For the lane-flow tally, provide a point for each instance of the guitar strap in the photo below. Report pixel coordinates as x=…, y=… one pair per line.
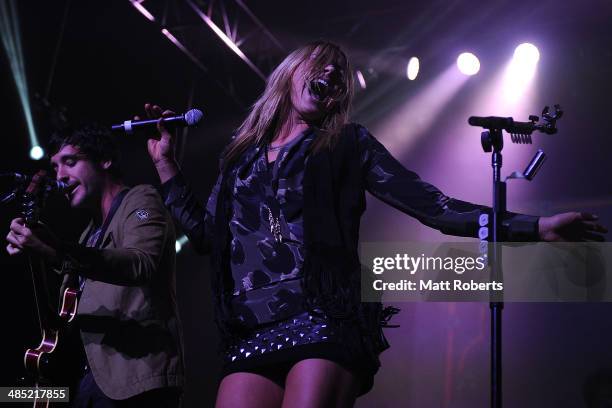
x=111, y=213
x=101, y=231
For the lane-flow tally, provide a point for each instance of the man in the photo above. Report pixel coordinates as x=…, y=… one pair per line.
x=125, y=268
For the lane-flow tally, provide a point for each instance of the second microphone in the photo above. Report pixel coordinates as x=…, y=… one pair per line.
x=190, y=118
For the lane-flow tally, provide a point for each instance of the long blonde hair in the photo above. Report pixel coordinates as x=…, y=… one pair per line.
x=273, y=107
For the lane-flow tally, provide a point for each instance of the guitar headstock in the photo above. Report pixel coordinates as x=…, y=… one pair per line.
x=32, y=197
x=37, y=184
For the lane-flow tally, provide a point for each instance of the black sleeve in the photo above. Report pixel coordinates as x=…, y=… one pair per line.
x=196, y=220
x=389, y=181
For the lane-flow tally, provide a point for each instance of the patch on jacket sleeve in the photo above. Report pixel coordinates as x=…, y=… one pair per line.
x=142, y=214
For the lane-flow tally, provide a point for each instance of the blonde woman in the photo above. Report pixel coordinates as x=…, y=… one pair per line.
x=282, y=225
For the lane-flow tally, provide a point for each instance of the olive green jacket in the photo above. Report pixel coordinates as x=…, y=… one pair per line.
x=127, y=312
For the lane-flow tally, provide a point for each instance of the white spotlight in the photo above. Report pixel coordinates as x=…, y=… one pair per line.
x=527, y=53
x=178, y=245
x=37, y=152
x=412, y=70
x=468, y=63
x=520, y=72
x=11, y=40
x=361, y=79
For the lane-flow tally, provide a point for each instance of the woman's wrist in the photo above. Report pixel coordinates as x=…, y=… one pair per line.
x=166, y=169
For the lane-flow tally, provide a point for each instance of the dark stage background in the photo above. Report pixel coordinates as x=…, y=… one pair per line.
x=103, y=60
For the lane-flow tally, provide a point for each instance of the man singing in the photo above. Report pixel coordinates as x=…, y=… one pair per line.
x=124, y=266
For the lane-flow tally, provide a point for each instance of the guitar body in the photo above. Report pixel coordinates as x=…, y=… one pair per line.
x=53, y=359
x=58, y=360
x=36, y=360
x=70, y=302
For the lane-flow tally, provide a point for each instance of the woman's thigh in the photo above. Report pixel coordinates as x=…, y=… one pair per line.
x=248, y=390
x=318, y=382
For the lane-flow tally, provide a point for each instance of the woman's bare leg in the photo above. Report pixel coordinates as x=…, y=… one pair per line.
x=248, y=390
x=320, y=383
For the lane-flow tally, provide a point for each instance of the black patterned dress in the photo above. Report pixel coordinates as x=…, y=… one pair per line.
x=266, y=263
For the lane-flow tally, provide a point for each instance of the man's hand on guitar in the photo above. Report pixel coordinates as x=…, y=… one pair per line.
x=40, y=242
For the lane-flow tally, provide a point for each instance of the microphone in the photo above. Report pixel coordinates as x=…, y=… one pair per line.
x=50, y=185
x=190, y=118
x=508, y=124
x=491, y=122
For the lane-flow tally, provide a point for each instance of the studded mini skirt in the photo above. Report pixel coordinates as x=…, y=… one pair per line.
x=276, y=347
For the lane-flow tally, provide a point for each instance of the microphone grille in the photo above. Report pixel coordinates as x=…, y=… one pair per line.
x=56, y=186
x=193, y=117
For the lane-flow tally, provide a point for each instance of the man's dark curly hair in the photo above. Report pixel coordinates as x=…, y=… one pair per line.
x=93, y=140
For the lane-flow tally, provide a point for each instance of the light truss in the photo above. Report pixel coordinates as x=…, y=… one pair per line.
x=183, y=23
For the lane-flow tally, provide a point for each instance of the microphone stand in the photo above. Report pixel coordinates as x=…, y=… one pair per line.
x=492, y=141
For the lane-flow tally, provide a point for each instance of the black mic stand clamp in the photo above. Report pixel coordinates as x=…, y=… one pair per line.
x=550, y=126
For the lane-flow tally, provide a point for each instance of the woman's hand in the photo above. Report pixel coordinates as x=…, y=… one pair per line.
x=571, y=227
x=163, y=145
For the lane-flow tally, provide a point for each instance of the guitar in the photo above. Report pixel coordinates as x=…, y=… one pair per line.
x=46, y=364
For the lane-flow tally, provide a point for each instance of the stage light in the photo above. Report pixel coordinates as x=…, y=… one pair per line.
x=468, y=63
x=11, y=40
x=178, y=245
x=412, y=70
x=520, y=72
x=37, y=153
x=527, y=54
x=361, y=79
x=402, y=126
